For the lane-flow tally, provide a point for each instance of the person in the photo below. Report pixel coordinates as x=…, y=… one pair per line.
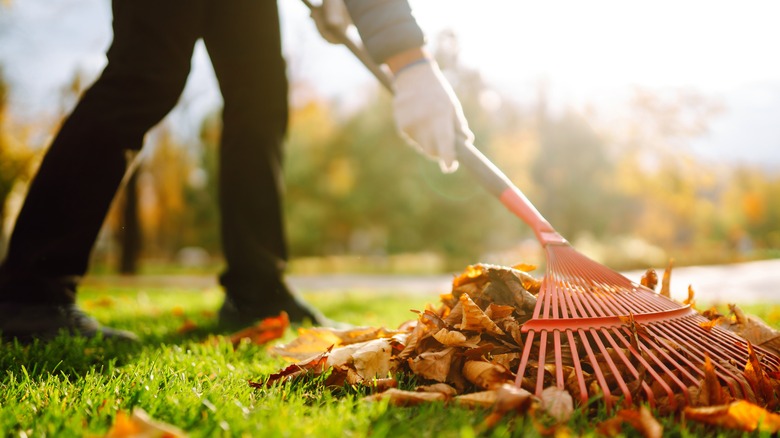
x=148, y=65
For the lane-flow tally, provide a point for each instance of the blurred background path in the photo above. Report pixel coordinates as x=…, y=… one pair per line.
x=742, y=283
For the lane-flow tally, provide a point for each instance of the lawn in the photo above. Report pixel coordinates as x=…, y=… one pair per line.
x=74, y=387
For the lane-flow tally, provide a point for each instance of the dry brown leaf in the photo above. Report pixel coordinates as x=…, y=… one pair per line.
x=486, y=375
x=755, y=330
x=739, y=415
x=474, y=319
x=140, y=425
x=665, y=291
x=454, y=338
x=482, y=399
x=709, y=324
x=690, y=301
x=398, y=397
x=374, y=359
x=710, y=390
x=310, y=341
x=497, y=311
x=443, y=388
x=754, y=373
x=557, y=403
x=510, y=398
x=643, y=421
x=434, y=365
x=315, y=366
x=264, y=331
x=649, y=279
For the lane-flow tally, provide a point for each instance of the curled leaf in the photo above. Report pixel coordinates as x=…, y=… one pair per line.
x=739, y=415
x=474, y=319
x=649, y=279
x=486, y=375
x=665, y=291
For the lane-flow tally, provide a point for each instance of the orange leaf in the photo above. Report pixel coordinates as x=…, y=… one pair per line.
x=187, y=326
x=665, y=291
x=740, y=415
x=708, y=325
x=649, y=279
x=140, y=425
x=264, y=331
x=690, y=300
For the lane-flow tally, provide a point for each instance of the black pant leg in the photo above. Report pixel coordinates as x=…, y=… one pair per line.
x=148, y=64
x=243, y=41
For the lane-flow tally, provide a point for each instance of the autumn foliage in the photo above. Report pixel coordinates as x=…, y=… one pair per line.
x=467, y=351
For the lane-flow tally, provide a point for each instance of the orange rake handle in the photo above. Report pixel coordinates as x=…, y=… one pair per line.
x=498, y=184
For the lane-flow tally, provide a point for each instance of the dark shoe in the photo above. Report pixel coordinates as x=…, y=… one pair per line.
x=238, y=312
x=26, y=322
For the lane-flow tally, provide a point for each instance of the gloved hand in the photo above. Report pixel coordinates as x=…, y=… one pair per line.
x=332, y=19
x=428, y=114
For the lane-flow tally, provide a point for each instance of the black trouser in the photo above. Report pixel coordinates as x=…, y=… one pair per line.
x=148, y=64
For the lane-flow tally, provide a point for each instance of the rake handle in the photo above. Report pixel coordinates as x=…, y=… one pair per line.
x=483, y=170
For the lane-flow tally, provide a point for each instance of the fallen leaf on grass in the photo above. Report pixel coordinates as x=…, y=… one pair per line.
x=187, y=326
x=264, y=331
x=739, y=415
x=642, y=420
x=510, y=399
x=140, y=425
x=398, y=397
x=486, y=375
x=373, y=360
x=557, y=403
x=315, y=366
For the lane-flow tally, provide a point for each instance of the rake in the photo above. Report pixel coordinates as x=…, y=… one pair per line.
x=593, y=330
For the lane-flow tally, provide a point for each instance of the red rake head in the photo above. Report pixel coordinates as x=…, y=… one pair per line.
x=595, y=333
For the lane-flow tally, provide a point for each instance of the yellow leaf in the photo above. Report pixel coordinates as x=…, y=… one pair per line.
x=739, y=415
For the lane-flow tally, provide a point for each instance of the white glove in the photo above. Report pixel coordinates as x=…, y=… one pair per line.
x=428, y=114
x=332, y=19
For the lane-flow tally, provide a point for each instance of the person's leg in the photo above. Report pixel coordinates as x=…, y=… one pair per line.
x=148, y=64
x=244, y=44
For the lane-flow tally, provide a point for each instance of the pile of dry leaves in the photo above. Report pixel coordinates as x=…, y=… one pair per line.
x=465, y=351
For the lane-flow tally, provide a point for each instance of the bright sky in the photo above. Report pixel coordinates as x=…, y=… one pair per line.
x=591, y=51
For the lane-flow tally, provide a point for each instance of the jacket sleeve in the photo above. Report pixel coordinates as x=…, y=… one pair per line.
x=386, y=27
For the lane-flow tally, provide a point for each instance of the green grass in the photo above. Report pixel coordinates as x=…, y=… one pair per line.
x=75, y=387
